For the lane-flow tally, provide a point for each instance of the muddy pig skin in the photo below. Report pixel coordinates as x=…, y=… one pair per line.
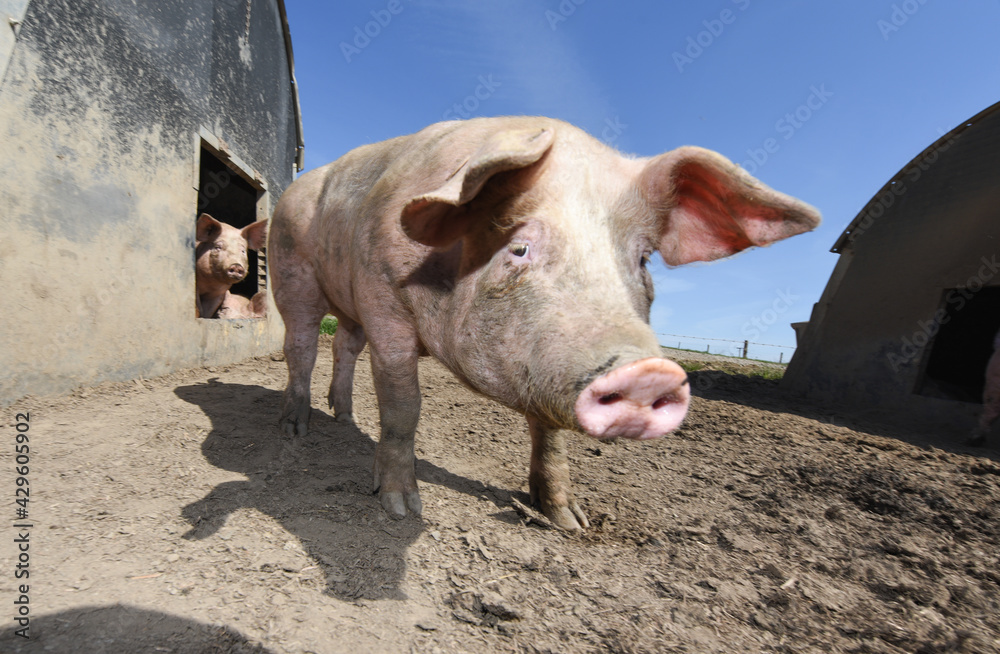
x=220, y=262
x=514, y=250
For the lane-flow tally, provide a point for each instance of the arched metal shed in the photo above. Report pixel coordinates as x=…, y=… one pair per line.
x=905, y=325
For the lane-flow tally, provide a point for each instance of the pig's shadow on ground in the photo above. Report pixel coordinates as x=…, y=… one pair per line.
x=119, y=629
x=769, y=395
x=318, y=487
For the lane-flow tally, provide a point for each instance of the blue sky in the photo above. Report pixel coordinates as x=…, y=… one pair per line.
x=848, y=93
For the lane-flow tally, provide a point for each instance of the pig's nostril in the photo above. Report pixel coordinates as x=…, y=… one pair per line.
x=610, y=398
x=663, y=401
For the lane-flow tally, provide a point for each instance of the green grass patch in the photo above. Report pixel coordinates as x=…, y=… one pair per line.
x=748, y=369
x=328, y=326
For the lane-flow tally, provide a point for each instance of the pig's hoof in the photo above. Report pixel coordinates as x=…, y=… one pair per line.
x=566, y=515
x=293, y=428
x=559, y=506
x=395, y=505
x=570, y=518
x=345, y=418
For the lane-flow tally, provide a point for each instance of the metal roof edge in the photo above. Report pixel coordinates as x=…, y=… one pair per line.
x=300, y=144
x=933, y=147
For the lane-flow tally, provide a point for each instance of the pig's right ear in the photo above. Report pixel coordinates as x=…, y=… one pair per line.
x=208, y=228
x=437, y=218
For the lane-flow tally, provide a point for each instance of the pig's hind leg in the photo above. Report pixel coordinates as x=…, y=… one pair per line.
x=347, y=345
x=302, y=305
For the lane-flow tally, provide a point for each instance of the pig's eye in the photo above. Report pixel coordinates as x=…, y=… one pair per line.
x=518, y=249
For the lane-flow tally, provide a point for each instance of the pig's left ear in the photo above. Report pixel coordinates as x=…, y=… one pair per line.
x=437, y=219
x=709, y=208
x=256, y=234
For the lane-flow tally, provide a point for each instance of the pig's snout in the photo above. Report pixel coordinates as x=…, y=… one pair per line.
x=236, y=271
x=641, y=400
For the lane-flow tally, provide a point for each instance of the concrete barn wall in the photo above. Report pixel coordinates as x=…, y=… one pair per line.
x=862, y=349
x=100, y=114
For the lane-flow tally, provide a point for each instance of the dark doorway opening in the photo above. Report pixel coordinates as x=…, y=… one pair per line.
x=225, y=195
x=956, y=359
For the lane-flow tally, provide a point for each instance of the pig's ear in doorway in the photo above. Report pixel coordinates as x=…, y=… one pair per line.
x=208, y=228
x=437, y=218
x=709, y=208
x=256, y=234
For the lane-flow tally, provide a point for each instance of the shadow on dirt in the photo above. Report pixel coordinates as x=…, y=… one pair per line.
x=120, y=629
x=768, y=395
x=318, y=487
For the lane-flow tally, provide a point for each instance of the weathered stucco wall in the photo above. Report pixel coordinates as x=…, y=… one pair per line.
x=936, y=228
x=100, y=112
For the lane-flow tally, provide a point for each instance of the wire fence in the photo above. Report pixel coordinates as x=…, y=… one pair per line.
x=729, y=347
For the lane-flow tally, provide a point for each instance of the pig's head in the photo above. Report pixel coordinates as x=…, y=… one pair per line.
x=221, y=251
x=548, y=233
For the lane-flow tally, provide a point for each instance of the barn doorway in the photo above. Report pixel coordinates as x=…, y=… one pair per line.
x=955, y=361
x=226, y=194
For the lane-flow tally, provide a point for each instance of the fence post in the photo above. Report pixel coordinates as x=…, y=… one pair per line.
x=745, y=345
x=781, y=355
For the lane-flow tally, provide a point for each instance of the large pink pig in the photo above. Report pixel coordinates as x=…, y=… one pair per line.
x=991, y=396
x=514, y=250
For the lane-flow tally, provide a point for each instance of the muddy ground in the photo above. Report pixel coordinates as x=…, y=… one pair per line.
x=169, y=517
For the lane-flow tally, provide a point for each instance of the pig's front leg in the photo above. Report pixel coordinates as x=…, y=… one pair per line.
x=548, y=480
x=394, y=369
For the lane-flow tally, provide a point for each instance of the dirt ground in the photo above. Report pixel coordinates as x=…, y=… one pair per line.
x=168, y=516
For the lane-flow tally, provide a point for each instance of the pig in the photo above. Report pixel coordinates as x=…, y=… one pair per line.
x=220, y=262
x=991, y=396
x=515, y=251
x=236, y=306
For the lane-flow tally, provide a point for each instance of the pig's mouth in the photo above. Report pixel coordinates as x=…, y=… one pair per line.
x=641, y=400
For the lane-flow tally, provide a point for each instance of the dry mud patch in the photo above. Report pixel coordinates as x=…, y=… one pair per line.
x=170, y=517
